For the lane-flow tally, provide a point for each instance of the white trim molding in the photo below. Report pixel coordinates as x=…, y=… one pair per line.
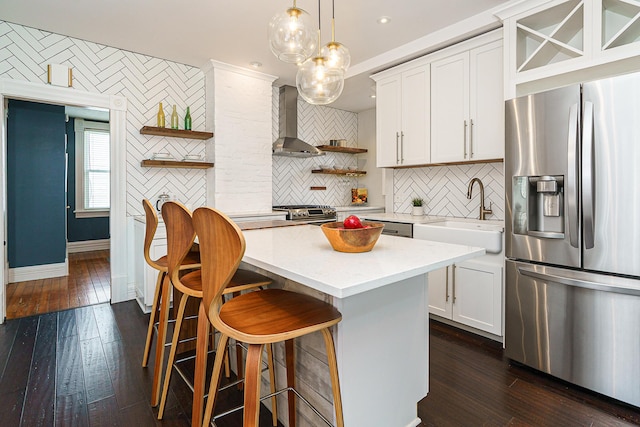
x=117, y=105
x=38, y=272
x=88, y=245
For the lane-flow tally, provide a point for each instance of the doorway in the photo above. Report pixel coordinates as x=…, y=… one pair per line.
x=117, y=106
x=58, y=207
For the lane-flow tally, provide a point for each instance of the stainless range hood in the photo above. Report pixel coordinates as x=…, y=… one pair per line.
x=288, y=144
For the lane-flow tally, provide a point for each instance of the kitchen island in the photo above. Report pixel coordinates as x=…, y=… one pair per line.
x=382, y=340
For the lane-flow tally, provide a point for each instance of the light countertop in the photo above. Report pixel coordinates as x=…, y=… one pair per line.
x=304, y=255
x=426, y=219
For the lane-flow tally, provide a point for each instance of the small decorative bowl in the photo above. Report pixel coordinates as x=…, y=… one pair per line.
x=352, y=240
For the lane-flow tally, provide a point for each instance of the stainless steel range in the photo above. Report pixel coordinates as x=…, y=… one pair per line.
x=313, y=214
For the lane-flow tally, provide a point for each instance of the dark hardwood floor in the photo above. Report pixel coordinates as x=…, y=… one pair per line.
x=88, y=282
x=81, y=367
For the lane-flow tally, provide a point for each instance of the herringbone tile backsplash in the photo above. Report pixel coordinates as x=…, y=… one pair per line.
x=143, y=80
x=444, y=189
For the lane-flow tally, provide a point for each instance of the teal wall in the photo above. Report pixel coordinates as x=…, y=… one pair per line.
x=35, y=184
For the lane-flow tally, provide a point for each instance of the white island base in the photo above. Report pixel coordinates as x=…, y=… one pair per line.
x=382, y=342
x=382, y=347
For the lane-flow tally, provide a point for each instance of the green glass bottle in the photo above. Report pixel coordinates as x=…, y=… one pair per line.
x=187, y=120
x=160, y=118
x=174, y=119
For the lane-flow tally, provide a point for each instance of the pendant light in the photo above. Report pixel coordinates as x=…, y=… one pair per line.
x=337, y=54
x=317, y=82
x=291, y=37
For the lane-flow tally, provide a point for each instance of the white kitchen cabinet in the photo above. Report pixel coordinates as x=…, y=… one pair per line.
x=469, y=293
x=467, y=105
x=402, y=116
x=555, y=43
x=145, y=276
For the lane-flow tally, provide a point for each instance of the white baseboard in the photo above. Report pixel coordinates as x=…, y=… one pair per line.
x=88, y=245
x=37, y=272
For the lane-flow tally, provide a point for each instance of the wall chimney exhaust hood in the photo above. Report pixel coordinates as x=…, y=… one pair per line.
x=288, y=144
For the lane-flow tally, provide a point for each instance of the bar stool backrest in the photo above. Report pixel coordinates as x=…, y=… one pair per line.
x=180, y=237
x=222, y=247
x=151, y=221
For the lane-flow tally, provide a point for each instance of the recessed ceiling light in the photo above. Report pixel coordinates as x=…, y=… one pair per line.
x=384, y=20
x=373, y=96
x=255, y=64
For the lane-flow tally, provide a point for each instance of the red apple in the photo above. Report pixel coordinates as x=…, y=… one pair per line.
x=352, y=222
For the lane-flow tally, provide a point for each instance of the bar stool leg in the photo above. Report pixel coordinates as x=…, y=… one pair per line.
x=202, y=345
x=272, y=386
x=162, y=336
x=215, y=379
x=291, y=380
x=152, y=318
x=252, y=386
x=335, y=381
x=172, y=353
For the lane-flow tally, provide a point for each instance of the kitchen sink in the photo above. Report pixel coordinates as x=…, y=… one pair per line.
x=485, y=234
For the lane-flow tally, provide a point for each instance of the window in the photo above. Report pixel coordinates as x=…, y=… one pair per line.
x=92, y=168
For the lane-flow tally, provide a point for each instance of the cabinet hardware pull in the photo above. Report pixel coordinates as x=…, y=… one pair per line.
x=397, y=157
x=401, y=147
x=446, y=283
x=453, y=282
x=471, y=139
x=464, y=141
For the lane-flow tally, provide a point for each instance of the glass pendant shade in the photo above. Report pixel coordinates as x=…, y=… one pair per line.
x=337, y=55
x=292, y=36
x=318, y=83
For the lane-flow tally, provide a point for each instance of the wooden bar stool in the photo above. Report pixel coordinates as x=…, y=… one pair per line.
x=256, y=318
x=190, y=261
x=180, y=237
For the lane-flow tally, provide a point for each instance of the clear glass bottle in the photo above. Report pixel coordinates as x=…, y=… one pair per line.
x=187, y=120
x=174, y=119
x=160, y=118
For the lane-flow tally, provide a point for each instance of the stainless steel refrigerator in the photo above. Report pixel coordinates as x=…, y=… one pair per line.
x=572, y=172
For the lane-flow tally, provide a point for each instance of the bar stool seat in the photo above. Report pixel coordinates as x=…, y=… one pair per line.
x=258, y=318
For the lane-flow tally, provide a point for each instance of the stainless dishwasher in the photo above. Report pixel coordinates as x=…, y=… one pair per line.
x=401, y=229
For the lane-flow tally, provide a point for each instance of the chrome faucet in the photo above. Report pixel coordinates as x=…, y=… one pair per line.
x=483, y=211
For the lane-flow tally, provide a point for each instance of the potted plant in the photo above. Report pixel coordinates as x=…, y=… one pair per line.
x=417, y=209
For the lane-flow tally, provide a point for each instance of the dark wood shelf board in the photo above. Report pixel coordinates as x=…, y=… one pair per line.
x=339, y=172
x=175, y=133
x=349, y=150
x=175, y=164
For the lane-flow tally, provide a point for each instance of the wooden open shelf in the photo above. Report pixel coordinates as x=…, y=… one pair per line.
x=349, y=150
x=175, y=133
x=175, y=164
x=339, y=172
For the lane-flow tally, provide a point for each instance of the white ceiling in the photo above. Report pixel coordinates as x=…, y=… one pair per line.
x=235, y=31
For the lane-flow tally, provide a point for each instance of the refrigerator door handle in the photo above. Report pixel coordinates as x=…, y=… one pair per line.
x=572, y=176
x=587, y=176
x=578, y=283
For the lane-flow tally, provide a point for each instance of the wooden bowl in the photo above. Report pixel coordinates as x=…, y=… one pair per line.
x=353, y=240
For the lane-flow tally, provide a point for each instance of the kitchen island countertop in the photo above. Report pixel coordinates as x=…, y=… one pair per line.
x=304, y=254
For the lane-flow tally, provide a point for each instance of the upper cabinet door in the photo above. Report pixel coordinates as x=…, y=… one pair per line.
x=402, y=118
x=450, y=108
x=415, y=135
x=486, y=103
x=388, y=121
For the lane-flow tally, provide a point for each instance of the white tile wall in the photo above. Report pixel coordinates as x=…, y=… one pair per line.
x=444, y=188
x=292, y=177
x=143, y=80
